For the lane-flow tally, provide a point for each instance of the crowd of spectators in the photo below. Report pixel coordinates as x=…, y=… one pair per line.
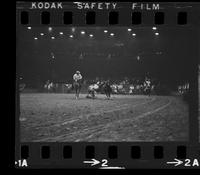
x=123, y=85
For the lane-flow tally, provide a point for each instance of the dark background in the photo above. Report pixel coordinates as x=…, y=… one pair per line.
x=167, y=57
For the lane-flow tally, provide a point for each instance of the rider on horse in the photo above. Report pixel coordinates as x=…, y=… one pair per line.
x=77, y=77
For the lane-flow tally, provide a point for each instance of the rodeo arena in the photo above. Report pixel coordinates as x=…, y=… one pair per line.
x=99, y=84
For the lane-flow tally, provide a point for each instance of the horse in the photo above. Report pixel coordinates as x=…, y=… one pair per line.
x=103, y=87
x=107, y=89
x=77, y=87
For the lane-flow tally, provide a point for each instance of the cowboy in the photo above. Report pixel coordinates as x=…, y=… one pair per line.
x=77, y=76
x=92, y=89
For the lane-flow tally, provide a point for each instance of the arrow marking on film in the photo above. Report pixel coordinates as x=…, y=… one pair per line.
x=177, y=162
x=93, y=162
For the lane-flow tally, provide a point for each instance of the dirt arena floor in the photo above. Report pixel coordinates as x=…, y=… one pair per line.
x=62, y=118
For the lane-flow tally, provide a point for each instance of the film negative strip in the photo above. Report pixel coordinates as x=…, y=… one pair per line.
x=107, y=85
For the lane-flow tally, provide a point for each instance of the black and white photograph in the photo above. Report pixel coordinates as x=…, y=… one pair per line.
x=104, y=84
x=199, y=97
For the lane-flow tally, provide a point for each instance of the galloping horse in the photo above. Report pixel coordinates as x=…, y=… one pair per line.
x=77, y=87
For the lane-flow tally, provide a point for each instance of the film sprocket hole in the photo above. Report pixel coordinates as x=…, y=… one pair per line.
x=108, y=85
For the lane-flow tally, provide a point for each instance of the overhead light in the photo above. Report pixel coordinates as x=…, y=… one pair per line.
x=50, y=29
x=29, y=28
x=71, y=36
x=91, y=35
x=82, y=32
x=52, y=37
x=154, y=28
x=129, y=29
x=73, y=29
x=134, y=34
x=156, y=33
x=105, y=31
x=61, y=33
x=41, y=34
x=112, y=34
x=35, y=38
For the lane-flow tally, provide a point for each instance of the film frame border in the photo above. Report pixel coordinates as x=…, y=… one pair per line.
x=190, y=146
